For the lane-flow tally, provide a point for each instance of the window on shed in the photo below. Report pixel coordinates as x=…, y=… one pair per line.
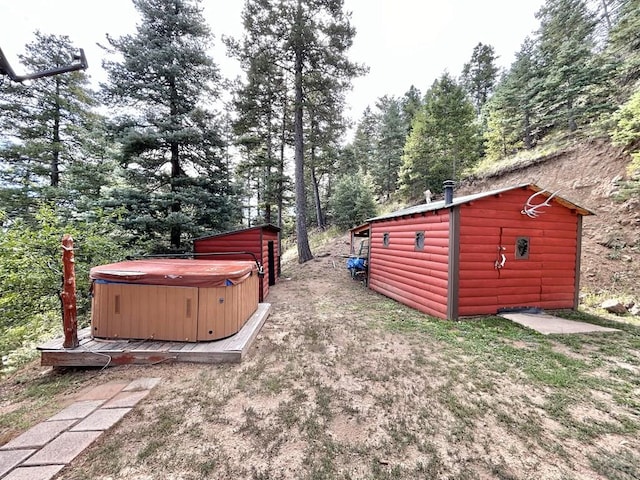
x=420, y=240
x=522, y=248
x=385, y=239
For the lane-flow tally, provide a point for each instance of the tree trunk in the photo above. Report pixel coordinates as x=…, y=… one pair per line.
x=283, y=141
x=302, y=239
x=176, y=231
x=316, y=199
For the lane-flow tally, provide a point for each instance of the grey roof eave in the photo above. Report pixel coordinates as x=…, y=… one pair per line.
x=457, y=201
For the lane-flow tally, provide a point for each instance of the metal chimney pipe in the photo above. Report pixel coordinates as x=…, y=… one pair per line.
x=448, y=191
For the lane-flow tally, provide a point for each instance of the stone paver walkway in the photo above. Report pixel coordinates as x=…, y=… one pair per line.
x=43, y=450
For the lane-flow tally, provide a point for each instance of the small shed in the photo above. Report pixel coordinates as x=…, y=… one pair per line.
x=263, y=242
x=477, y=254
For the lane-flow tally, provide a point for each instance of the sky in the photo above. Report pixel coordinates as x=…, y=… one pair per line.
x=403, y=42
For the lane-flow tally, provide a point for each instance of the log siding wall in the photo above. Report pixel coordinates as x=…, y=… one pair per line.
x=254, y=240
x=418, y=278
x=546, y=279
x=456, y=275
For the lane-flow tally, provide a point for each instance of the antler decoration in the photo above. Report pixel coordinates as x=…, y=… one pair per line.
x=531, y=210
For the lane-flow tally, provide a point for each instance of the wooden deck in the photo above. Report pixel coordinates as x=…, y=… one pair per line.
x=95, y=352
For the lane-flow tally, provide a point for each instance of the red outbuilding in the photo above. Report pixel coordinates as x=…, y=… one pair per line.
x=476, y=254
x=259, y=242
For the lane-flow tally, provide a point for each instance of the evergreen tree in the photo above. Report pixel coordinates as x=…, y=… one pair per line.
x=391, y=137
x=52, y=145
x=410, y=104
x=623, y=47
x=312, y=38
x=261, y=103
x=443, y=141
x=365, y=141
x=510, y=111
x=177, y=179
x=566, y=46
x=352, y=202
x=325, y=126
x=479, y=75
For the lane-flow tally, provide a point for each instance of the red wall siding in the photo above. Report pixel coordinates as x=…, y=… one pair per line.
x=266, y=237
x=254, y=240
x=418, y=279
x=546, y=279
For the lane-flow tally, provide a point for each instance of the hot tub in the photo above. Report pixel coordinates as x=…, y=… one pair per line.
x=172, y=299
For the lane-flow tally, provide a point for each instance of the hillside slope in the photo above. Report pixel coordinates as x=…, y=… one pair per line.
x=589, y=175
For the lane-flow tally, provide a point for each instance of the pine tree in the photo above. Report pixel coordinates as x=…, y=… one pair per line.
x=443, y=141
x=261, y=104
x=510, y=111
x=352, y=202
x=623, y=47
x=53, y=146
x=391, y=138
x=411, y=103
x=312, y=38
x=566, y=46
x=177, y=178
x=365, y=141
x=479, y=76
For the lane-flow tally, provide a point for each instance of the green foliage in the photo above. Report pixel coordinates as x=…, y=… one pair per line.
x=444, y=139
x=392, y=132
x=626, y=133
x=352, y=203
x=572, y=73
x=623, y=46
x=626, y=130
x=31, y=272
x=176, y=177
x=480, y=74
x=53, y=146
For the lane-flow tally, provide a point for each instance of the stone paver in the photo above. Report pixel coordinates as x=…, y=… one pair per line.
x=142, y=384
x=101, y=419
x=77, y=410
x=11, y=458
x=63, y=449
x=126, y=399
x=65, y=435
x=46, y=472
x=104, y=392
x=39, y=435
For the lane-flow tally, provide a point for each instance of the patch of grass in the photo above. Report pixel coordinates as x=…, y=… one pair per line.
x=251, y=424
x=621, y=464
x=555, y=369
x=105, y=459
x=150, y=449
x=288, y=414
x=275, y=383
x=208, y=461
x=557, y=405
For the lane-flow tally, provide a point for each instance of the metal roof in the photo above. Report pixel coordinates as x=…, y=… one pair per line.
x=266, y=226
x=457, y=201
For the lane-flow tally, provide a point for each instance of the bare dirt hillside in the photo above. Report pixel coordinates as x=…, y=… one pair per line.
x=590, y=176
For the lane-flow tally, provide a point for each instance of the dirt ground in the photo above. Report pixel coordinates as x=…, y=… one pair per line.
x=343, y=383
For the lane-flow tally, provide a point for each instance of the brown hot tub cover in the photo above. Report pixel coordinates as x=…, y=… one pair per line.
x=175, y=272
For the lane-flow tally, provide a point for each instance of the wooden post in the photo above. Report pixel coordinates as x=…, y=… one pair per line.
x=68, y=295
